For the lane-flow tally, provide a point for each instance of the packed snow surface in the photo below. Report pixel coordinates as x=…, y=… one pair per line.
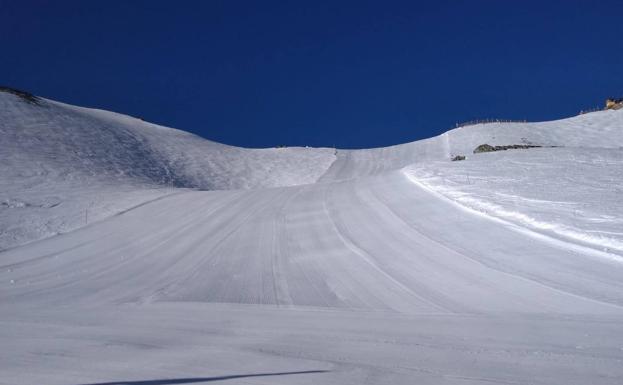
x=143, y=255
x=572, y=194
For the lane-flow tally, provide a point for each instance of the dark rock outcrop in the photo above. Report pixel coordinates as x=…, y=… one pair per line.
x=489, y=148
x=26, y=96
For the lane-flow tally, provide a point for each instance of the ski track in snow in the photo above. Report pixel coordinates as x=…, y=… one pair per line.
x=363, y=277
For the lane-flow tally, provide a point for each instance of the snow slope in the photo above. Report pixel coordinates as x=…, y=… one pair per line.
x=569, y=193
x=603, y=129
x=72, y=161
x=378, y=273
x=72, y=142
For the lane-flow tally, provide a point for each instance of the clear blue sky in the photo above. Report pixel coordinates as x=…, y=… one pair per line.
x=320, y=73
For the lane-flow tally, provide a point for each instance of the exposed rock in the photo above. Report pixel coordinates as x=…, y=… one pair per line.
x=489, y=148
x=458, y=157
x=614, y=104
x=484, y=148
x=26, y=96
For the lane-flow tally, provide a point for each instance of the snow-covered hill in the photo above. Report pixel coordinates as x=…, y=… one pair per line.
x=390, y=265
x=69, y=143
x=65, y=166
x=603, y=129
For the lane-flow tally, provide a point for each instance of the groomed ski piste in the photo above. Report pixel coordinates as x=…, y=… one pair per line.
x=138, y=254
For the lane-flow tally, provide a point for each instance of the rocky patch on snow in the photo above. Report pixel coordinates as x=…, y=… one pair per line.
x=488, y=148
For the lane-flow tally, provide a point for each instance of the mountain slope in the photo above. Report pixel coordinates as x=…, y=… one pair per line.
x=68, y=142
x=602, y=129
x=64, y=166
x=364, y=266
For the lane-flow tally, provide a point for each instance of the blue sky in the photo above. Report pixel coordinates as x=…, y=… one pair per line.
x=348, y=73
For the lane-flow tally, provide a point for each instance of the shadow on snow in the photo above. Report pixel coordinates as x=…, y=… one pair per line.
x=174, y=381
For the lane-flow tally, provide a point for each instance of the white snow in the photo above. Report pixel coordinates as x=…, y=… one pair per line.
x=570, y=193
x=207, y=263
x=60, y=161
